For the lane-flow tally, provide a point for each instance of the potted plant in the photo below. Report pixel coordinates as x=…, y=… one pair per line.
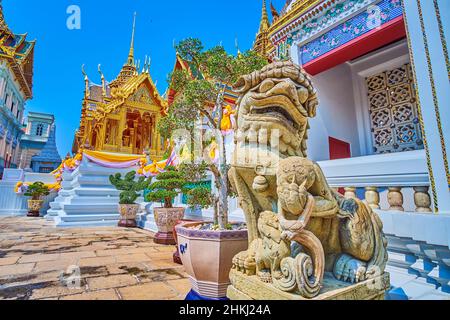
x=36, y=191
x=198, y=198
x=168, y=186
x=131, y=190
x=207, y=248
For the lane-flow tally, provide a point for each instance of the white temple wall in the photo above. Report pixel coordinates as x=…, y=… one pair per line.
x=427, y=29
x=336, y=113
x=343, y=104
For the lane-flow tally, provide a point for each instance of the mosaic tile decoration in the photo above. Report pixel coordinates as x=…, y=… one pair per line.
x=349, y=30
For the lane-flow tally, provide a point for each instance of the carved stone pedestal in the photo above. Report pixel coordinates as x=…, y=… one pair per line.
x=251, y=288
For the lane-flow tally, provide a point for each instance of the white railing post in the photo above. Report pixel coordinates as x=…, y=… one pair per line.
x=373, y=197
x=395, y=199
x=422, y=199
x=350, y=193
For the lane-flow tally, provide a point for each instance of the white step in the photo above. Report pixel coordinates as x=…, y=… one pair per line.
x=97, y=217
x=88, y=224
x=91, y=208
x=87, y=199
x=97, y=192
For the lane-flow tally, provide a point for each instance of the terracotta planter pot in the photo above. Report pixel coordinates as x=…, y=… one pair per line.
x=34, y=208
x=166, y=219
x=207, y=257
x=176, y=254
x=128, y=214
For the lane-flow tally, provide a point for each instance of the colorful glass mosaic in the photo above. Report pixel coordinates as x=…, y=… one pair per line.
x=374, y=17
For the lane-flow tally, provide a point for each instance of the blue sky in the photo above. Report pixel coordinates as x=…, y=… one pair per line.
x=104, y=38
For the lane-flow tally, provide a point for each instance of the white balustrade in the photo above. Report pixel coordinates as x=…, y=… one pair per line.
x=393, y=173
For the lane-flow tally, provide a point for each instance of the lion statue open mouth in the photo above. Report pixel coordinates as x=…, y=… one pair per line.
x=285, y=196
x=278, y=97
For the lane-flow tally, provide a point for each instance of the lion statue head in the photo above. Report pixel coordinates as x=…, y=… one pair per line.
x=279, y=98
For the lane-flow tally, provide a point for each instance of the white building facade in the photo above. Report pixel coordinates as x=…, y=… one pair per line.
x=16, y=82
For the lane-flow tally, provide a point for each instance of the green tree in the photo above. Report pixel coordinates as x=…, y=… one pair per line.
x=169, y=184
x=37, y=190
x=200, y=94
x=131, y=189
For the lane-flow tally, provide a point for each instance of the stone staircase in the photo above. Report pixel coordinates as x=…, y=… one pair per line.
x=87, y=198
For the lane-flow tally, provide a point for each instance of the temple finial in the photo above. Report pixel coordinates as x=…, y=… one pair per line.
x=131, y=54
x=145, y=65
x=275, y=14
x=86, y=82
x=103, y=80
x=265, y=24
x=149, y=64
x=84, y=72
x=99, y=68
x=236, y=43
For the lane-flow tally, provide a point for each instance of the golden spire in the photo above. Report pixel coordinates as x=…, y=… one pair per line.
x=262, y=39
x=3, y=26
x=265, y=24
x=130, y=61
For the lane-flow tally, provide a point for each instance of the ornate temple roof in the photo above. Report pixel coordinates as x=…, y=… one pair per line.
x=101, y=100
x=50, y=151
x=19, y=54
x=291, y=10
x=108, y=96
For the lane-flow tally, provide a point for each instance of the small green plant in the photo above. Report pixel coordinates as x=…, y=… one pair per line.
x=37, y=190
x=169, y=185
x=131, y=189
x=200, y=197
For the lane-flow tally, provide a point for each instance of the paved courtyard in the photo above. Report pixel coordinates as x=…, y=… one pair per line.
x=38, y=261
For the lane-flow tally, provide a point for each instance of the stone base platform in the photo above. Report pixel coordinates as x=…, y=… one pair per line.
x=251, y=288
x=165, y=238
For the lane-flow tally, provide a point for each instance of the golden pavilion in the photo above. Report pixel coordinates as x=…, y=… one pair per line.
x=121, y=116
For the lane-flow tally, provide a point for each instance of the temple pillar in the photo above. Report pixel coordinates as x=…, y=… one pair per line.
x=134, y=136
x=101, y=136
x=122, y=124
x=157, y=141
x=427, y=24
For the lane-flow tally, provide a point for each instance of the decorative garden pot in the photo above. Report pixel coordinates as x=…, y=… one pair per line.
x=128, y=214
x=166, y=219
x=207, y=257
x=34, y=208
x=176, y=254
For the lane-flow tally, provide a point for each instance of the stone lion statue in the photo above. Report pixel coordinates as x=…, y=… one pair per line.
x=271, y=174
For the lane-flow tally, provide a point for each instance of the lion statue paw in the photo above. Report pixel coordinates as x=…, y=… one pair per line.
x=349, y=269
